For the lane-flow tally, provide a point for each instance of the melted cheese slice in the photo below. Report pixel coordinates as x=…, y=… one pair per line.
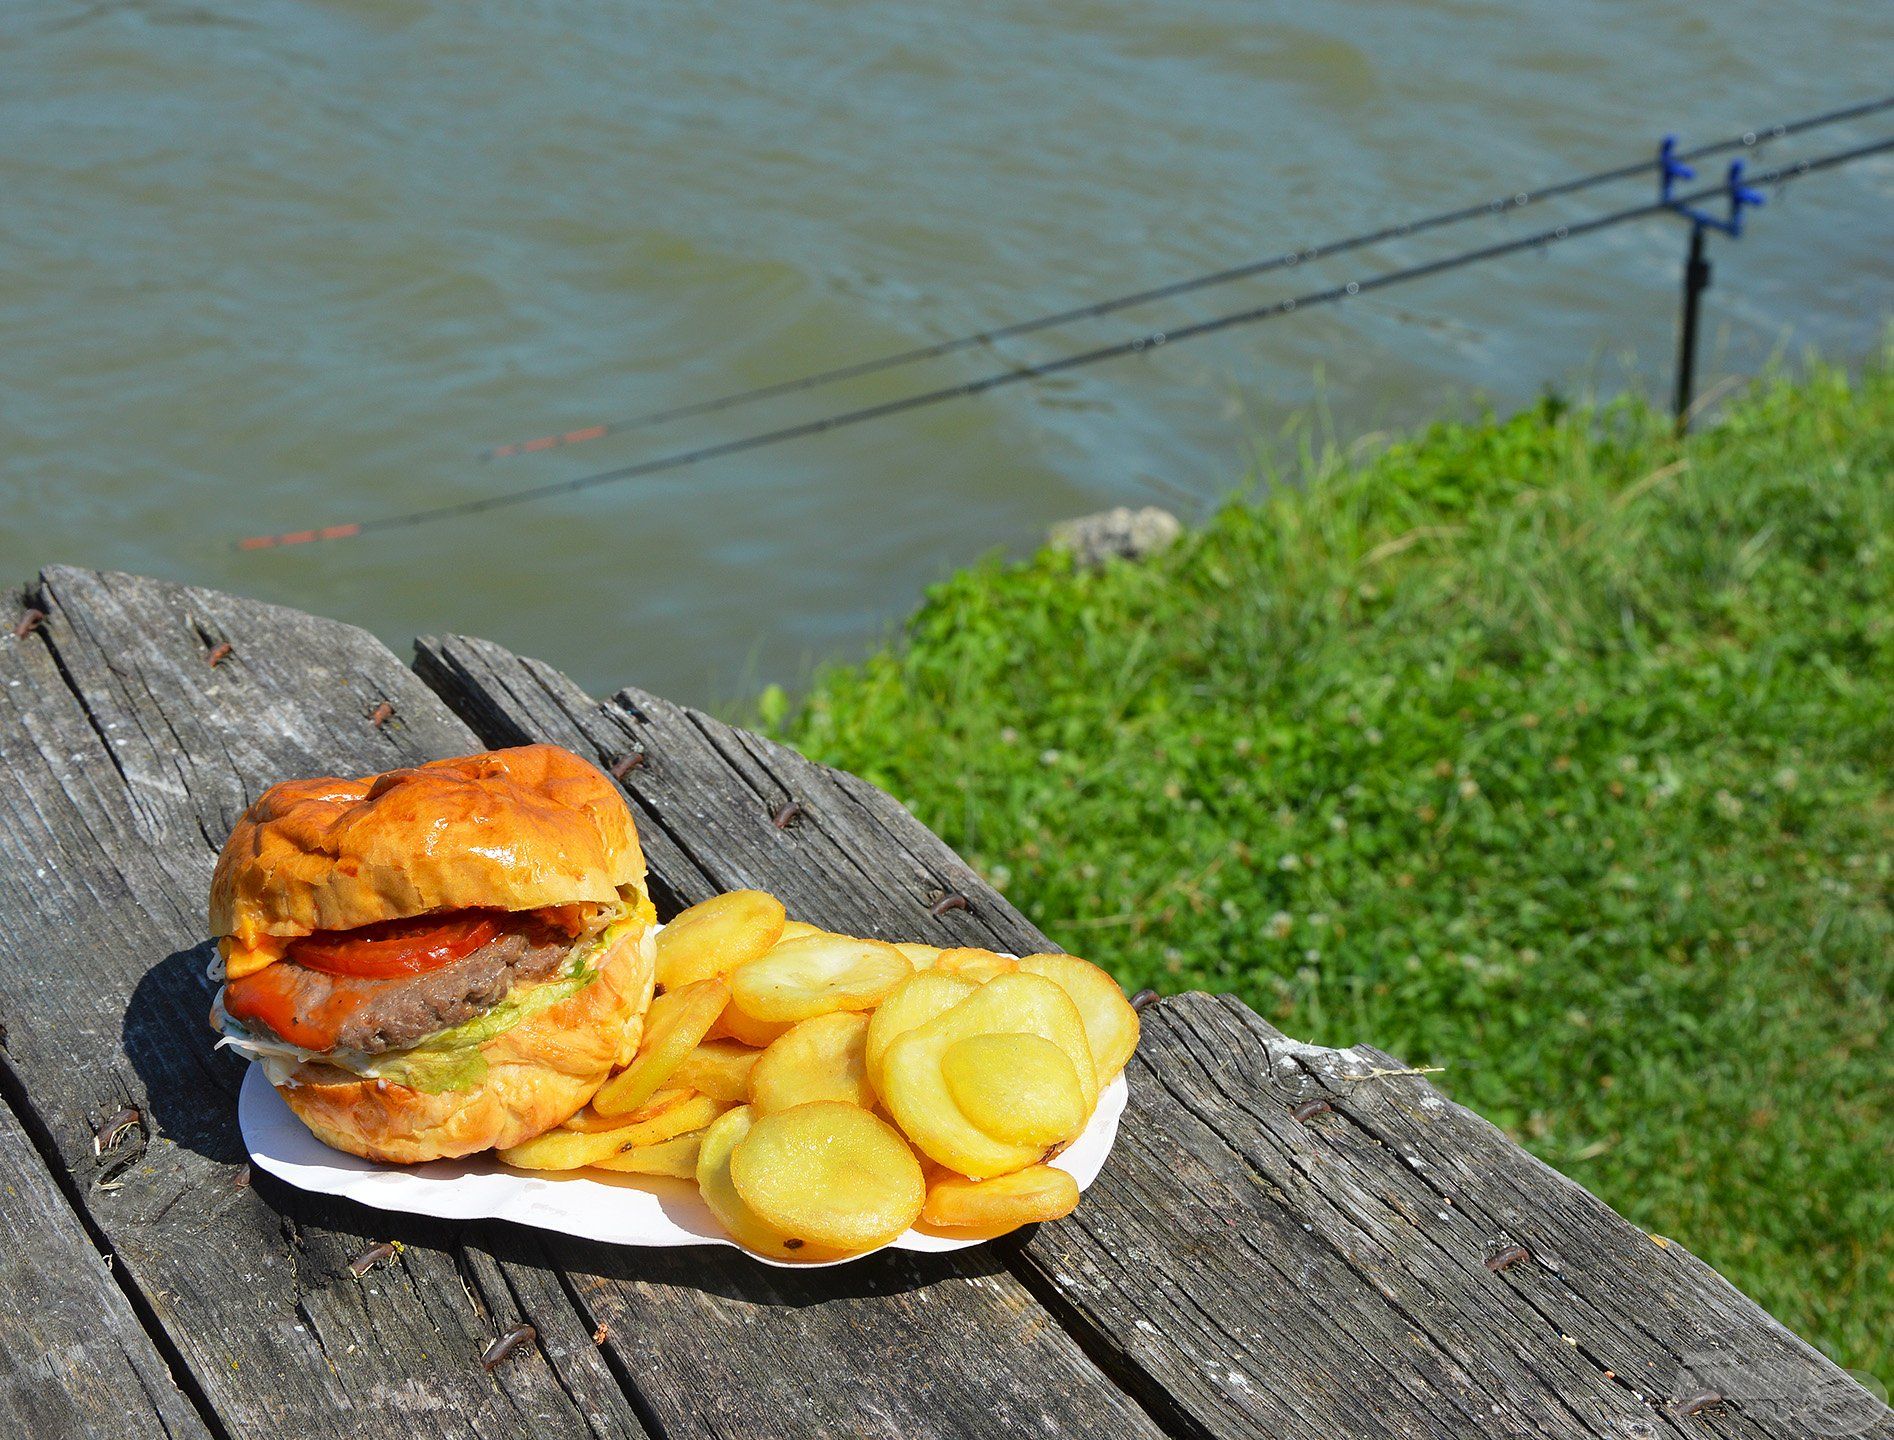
x=241, y=959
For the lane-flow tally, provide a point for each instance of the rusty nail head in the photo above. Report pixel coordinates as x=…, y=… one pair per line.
x=952, y=901
x=370, y=1258
x=1145, y=999
x=1510, y=1256
x=220, y=653
x=785, y=815
x=1309, y=1109
x=631, y=760
x=496, y=1352
x=112, y=1130
x=378, y=717
x=29, y=622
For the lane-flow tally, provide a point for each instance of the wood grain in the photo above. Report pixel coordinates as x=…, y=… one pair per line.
x=1240, y=1270
x=127, y=757
x=943, y=1345
x=74, y=1359
x=1333, y=1274
x=706, y=794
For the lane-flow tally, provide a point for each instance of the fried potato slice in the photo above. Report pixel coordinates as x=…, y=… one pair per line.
x=718, y=1068
x=676, y=1157
x=820, y=1059
x=713, y=938
x=572, y=1149
x=694, y=1114
x=589, y=1122
x=910, y=1004
x=1018, y=1088
x=913, y=1080
x=797, y=929
x=816, y=975
x=745, y=1226
x=746, y=1030
x=673, y=1027
x=921, y=957
x=979, y=966
x=1111, y=1025
x=831, y=1173
x=1003, y=1203
x=562, y=1150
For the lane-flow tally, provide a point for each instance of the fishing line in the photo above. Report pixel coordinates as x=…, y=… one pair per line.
x=1138, y=345
x=1747, y=140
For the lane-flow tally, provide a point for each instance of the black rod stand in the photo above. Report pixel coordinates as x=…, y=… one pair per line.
x=1696, y=281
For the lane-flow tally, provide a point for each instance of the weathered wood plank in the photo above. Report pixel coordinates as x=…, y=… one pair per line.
x=706, y=794
x=941, y=1345
x=1242, y=1271
x=127, y=756
x=74, y=1360
x=1293, y=1272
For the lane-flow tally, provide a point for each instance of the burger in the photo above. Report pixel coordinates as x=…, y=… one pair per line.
x=440, y=960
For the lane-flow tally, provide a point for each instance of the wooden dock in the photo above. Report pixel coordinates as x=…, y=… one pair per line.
x=1287, y=1242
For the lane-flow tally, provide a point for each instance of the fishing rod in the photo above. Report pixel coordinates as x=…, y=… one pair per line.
x=1141, y=344
x=1747, y=140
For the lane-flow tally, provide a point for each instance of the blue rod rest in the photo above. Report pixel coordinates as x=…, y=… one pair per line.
x=1740, y=194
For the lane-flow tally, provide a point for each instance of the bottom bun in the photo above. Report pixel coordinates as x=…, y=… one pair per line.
x=539, y=1073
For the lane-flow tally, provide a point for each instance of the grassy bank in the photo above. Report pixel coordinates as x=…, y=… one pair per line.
x=1548, y=750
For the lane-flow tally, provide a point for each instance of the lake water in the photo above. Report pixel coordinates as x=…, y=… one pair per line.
x=268, y=265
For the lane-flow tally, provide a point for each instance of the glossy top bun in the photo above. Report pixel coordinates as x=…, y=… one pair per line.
x=507, y=829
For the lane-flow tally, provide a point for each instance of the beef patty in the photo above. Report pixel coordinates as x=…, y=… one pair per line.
x=390, y=1014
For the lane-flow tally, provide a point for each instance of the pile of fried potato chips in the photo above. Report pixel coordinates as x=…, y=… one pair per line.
x=826, y=1093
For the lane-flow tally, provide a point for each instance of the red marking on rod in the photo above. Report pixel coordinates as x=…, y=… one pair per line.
x=301, y=537
x=544, y=442
x=577, y=437
x=500, y=452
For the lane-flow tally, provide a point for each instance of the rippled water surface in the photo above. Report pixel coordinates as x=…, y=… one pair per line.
x=267, y=265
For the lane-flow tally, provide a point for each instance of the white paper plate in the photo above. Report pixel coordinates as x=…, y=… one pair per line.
x=616, y=1209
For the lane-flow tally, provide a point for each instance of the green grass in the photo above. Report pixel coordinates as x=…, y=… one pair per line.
x=1546, y=749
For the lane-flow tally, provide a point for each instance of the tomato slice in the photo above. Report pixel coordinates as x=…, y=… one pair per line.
x=395, y=948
